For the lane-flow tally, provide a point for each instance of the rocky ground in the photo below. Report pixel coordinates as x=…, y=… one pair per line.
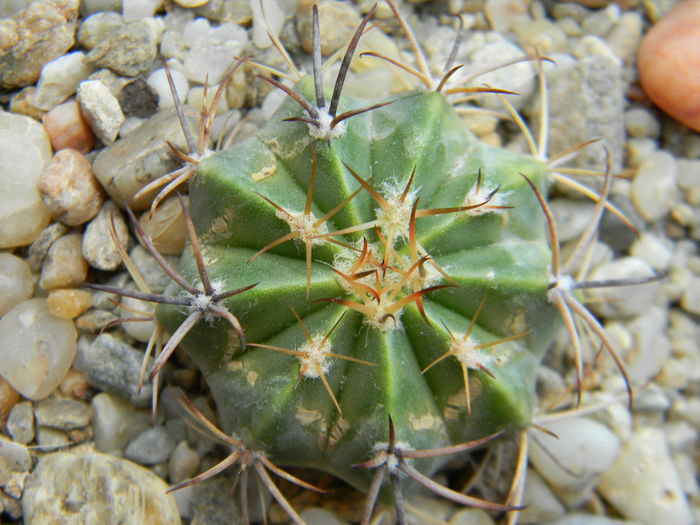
x=85, y=114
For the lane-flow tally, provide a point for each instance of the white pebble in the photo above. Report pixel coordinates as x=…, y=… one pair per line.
x=101, y=109
x=656, y=251
x=16, y=282
x=59, y=79
x=137, y=9
x=643, y=483
x=158, y=80
x=211, y=49
x=116, y=422
x=627, y=300
x=272, y=22
x=654, y=188
x=36, y=348
x=542, y=504
x=651, y=348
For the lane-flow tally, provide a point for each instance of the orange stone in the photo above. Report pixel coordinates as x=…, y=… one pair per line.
x=67, y=128
x=68, y=303
x=9, y=397
x=669, y=63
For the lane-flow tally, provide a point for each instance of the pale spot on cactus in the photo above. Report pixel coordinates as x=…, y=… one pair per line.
x=323, y=129
x=424, y=422
x=306, y=416
x=252, y=377
x=313, y=356
x=234, y=366
x=263, y=173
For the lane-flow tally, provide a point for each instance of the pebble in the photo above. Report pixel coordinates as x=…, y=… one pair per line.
x=59, y=79
x=67, y=128
x=571, y=217
x=20, y=422
x=68, y=303
x=690, y=300
x=654, y=187
x=319, y=516
x=150, y=270
x=139, y=330
x=88, y=7
x=36, y=35
x=113, y=366
x=667, y=63
x=16, y=282
x=504, y=15
x=166, y=226
x=585, y=448
x=272, y=22
x=100, y=488
x=183, y=463
x=101, y=109
x=9, y=397
x=337, y=22
x=37, y=348
x=63, y=414
x=211, y=49
x=97, y=27
x=158, y=82
x=98, y=247
x=116, y=422
x=643, y=484
x=12, y=7
x=542, y=505
x=64, y=266
x=137, y=9
x=191, y=3
x=22, y=103
x=69, y=189
x=40, y=247
x=138, y=99
x=25, y=150
x=74, y=385
x=622, y=301
x=651, y=348
x=130, y=163
x=625, y=36
x=471, y=517
x=94, y=321
x=152, y=446
x=640, y=122
x=578, y=518
x=654, y=250
x=131, y=49
x=16, y=455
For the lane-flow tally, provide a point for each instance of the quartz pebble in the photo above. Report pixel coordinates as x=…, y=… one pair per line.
x=137, y=9
x=651, y=348
x=74, y=385
x=22, y=103
x=67, y=128
x=59, y=79
x=150, y=270
x=152, y=446
x=36, y=35
x=37, y=348
x=101, y=109
x=166, y=226
x=102, y=489
x=25, y=150
x=183, y=463
x=471, y=517
x=9, y=397
x=643, y=484
x=40, y=247
x=116, y=422
x=273, y=22
x=64, y=266
x=211, y=48
x=623, y=301
x=20, y=422
x=98, y=27
x=319, y=516
x=68, y=303
x=98, y=247
x=16, y=282
x=142, y=330
x=542, y=504
x=158, y=81
x=69, y=189
x=113, y=366
x=654, y=187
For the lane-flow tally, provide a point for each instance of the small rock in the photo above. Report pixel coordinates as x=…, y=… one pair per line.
x=138, y=99
x=74, y=385
x=116, y=422
x=64, y=266
x=16, y=282
x=142, y=330
x=94, y=321
x=98, y=247
x=654, y=250
x=272, y=22
x=59, y=79
x=25, y=151
x=67, y=128
x=150, y=447
x=577, y=518
x=640, y=122
x=113, y=366
x=68, y=303
x=506, y=14
x=319, y=516
x=542, y=505
x=43, y=31
x=37, y=348
x=100, y=488
x=690, y=301
x=40, y=247
x=130, y=163
x=183, y=463
x=571, y=217
x=137, y=9
x=22, y=103
x=131, y=49
x=69, y=189
x=15, y=455
x=97, y=27
x=9, y=397
x=654, y=187
x=166, y=226
x=188, y=4
x=20, y=422
x=88, y=7
x=101, y=109
x=49, y=439
x=158, y=82
x=211, y=49
x=64, y=414
x=643, y=484
x=623, y=301
x=337, y=22
x=651, y=348
x=625, y=36
x=471, y=517
x=12, y=7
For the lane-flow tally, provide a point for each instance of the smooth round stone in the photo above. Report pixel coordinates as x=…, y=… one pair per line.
x=212, y=48
x=138, y=9
x=158, y=81
x=623, y=301
x=116, y=422
x=273, y=22
x=63, y=414
x=183, y=463
x=20, y=422
x=95, y=488
x=69, y=189
x=188, y=4
x=319, y=516
x=64, y=266
x=36, y=348
x=542, y=505
x=98, y=247
x=139, y=330
x=337, y=22
x=39, y=249
x=150, y=447
x=16, y=281
x=68, y=303
x=25, y=151
x=654, y=189
x=9, y=397
x=67, y=128
x=15, y=455
x=59, y=79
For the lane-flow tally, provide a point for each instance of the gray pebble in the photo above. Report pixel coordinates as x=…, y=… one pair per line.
x=602, y=21
x=20, y=422
x=94, y=320
x=654, y=189
x=623, y=301
x=116, y=422
x=64, y=414
x=98, y=247
x=152, y=446
x=138, y=99
x=130, y=50
x=471, y=517
x=101, y=109
x=151, y=272
x=571, y=217
x=319, y=516
x=64, y=266
x=183, y=463
x=98, y=27
x=640, y=122
x=40, y=247
x=113, y=366
x=50, y=439
x=15, y=454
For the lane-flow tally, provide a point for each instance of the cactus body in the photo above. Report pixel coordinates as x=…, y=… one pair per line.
x=367, y=289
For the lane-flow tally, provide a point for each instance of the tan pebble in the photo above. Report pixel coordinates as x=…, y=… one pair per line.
x=69, y=189
x=64, y=265
x=191, y=3
x=74, y=384
x=23, y=104
x=9, y=397
x=69, y=303
x=166, y=227
x=67, y=128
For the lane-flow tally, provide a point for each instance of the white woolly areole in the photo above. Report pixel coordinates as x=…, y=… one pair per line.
x=304, y=225
x=468, y=355
x=322, y=128
x=394, y=219
x=474, y=197
x=563, y=284
x=314, y=355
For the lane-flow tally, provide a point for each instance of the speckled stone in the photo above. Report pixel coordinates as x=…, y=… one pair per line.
x=20, y=422
x=101, y=489
x=101, y=109
x=63, y=414
x=64, y=266
x=98, y=247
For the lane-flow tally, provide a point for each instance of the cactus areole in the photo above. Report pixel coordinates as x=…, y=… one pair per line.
x=402, y=270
